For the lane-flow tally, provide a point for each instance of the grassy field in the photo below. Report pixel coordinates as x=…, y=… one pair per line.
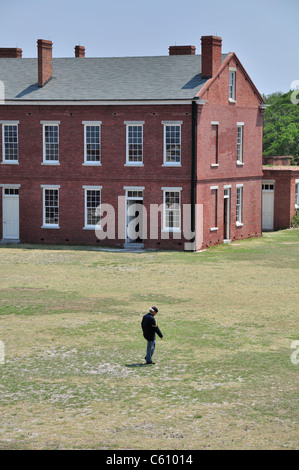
x=74, y=378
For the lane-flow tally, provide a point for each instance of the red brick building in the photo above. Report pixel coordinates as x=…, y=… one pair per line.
x=280, y=192
x=180, y=134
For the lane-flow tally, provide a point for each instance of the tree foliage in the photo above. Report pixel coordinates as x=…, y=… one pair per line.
x=281, y=126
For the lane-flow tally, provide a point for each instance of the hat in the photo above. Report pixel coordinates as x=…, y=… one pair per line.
x=154, y=309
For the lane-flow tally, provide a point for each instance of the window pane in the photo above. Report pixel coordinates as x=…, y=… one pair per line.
x=239, y=205
x=93, y=145
x=11, y=142
x=93, y=200
x=240, y=143
x=11, y=191
x=51, y=206
x=172, y=209
x=51, y=143
x=173, y=144
x=135, y=143
x=232, y=85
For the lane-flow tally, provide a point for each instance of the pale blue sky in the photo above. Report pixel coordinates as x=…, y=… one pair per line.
x=263, y=33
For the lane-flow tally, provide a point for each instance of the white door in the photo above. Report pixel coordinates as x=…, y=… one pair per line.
x=268, y=209
x=10, y=214
x=134, y=216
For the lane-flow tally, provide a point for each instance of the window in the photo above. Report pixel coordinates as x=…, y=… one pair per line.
x=239, y=207
x=214, y=143
x=92, y=206
x=135, y=194
x=232, y=85
x=11, y=191
x=214, y=192
x=51, y=206
x=297, y=195
x=268, y=187
x=92, y=143
x=10, y=142
x=50, y=143
x=134, y=143
x=172, y=143
x=240, y=127
x=172, y=209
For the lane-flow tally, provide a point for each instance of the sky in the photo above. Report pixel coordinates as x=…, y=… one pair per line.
x=263, y=33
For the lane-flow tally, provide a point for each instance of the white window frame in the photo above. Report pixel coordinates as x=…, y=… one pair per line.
x=86, y=225
x=240, y=143
x=92, y=124
x=5, y=124
x=44, y=188
x=232, y=85
x=171, y=124
x=128, y=125
x=165, y=228
x=239, y=205
x=296, y=194
x=49, y=124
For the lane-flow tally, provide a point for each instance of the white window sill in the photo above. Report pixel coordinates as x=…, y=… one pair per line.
x=239, y=224
x=10, y=162
x=92, y=164
x=51, y=163
x=172, y=164
x=51, y=226
x=92, y=227
x=231, y=100
x=240, y=163
x=214, y=165
x=133, y=164
x=296, y=206
x=213, y=229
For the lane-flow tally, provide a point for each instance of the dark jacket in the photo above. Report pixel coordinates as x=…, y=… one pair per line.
x=149, y=327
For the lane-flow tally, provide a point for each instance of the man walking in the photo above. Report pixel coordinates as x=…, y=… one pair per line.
x=150, y=328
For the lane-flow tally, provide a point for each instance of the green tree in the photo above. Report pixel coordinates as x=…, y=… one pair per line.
x=281, y=126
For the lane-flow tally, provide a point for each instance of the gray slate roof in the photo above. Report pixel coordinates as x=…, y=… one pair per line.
x=116, y=78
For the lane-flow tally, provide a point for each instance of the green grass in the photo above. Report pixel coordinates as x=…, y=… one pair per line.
x=74, y=377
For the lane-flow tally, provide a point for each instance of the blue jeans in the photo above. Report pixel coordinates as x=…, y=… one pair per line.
x=150, y=350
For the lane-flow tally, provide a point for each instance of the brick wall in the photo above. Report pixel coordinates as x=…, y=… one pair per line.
x=284, y=194
x=227, y=172
x=251, y=210
x=71, y=174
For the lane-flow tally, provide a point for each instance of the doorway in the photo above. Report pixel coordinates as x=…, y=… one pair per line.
x=11, y=230
x=268, y=206
x=134, y=217
x=226, y=215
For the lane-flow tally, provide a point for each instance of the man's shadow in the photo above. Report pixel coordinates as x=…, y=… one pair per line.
x=139, y=364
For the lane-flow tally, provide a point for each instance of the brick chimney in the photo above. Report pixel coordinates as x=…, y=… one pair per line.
x=210, y=55
x=10, y=52
x=79, y=51
x=45, y=63
x=182, y=50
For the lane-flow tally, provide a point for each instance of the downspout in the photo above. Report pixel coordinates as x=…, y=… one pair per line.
x=193, y=171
